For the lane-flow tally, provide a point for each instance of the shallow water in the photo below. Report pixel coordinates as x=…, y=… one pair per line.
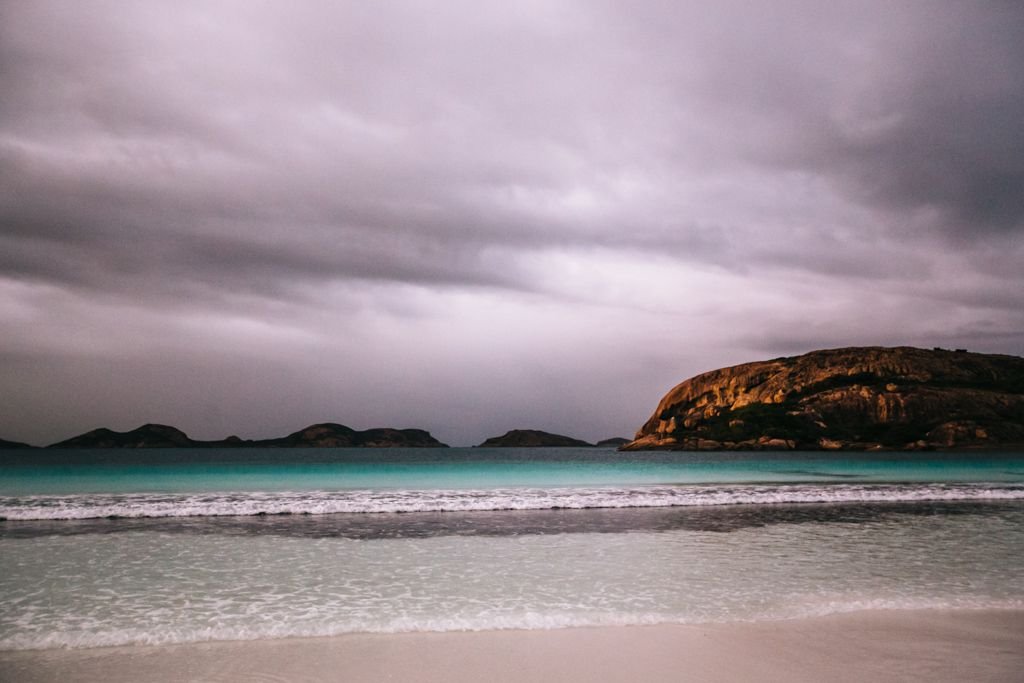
x=188, y=556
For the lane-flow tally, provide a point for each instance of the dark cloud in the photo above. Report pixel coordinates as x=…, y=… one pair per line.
x=905, y=106
x=563, y=189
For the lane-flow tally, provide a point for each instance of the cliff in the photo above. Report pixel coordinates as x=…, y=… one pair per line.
x=326, y=435
x=532, y=438
x=853, y=398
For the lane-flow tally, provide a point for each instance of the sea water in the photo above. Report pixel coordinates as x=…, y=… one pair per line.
x=161, y=546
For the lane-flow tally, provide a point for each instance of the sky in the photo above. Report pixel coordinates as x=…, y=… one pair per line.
x=468, y=217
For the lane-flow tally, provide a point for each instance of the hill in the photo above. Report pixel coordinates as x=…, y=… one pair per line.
x=5, y=444
x=864, y=398
x=532, y=438
x=324, y=435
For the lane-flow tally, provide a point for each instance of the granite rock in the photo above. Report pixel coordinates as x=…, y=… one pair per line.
x=865, y=398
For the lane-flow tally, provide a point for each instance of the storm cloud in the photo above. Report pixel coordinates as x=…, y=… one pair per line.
x=469, y=217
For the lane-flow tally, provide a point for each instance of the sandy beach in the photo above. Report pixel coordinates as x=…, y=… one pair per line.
x=919, y=645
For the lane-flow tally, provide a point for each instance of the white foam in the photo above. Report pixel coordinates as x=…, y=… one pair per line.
x=529, y=620
x=91, y=506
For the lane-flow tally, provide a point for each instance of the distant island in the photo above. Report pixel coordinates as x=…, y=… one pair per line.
x=533, y=438
x=866, y=398
x=324, y=435
x=613, y=442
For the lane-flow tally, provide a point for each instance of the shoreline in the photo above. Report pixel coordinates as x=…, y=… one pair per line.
x=884, y=645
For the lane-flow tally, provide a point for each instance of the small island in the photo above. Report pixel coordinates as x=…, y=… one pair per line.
x=533, y=438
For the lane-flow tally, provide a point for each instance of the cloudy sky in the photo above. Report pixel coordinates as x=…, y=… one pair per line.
x=246, y=217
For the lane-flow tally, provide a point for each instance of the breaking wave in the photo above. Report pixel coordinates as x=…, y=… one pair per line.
x=368, y=501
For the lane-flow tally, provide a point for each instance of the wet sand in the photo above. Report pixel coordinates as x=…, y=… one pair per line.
x=918, y=645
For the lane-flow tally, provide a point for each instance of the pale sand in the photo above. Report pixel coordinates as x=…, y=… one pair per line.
x=923, y=645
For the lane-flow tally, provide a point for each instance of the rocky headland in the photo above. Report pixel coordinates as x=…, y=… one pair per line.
x=324, y=435
x=532, y=438
x=867, y=398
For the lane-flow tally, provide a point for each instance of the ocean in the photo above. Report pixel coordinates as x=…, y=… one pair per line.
x=117, y=547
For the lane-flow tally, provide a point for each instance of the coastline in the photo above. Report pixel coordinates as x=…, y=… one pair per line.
x=890, y=645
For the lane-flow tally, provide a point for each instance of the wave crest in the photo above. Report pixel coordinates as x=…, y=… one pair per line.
x=367, y=501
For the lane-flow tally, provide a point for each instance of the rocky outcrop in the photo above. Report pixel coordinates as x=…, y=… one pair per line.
x=325, y=435
x=532, y=438
x=867, y=398
x=10, y=445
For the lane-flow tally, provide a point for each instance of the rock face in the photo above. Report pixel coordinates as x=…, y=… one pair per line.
x=326, y=435
x=866, y=398
x=5, y=444
x=532, y=438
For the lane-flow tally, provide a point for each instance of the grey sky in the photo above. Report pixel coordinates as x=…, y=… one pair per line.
x=244, y=217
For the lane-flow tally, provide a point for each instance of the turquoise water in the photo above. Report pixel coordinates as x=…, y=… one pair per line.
x=119, y=547
x=195, y=470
